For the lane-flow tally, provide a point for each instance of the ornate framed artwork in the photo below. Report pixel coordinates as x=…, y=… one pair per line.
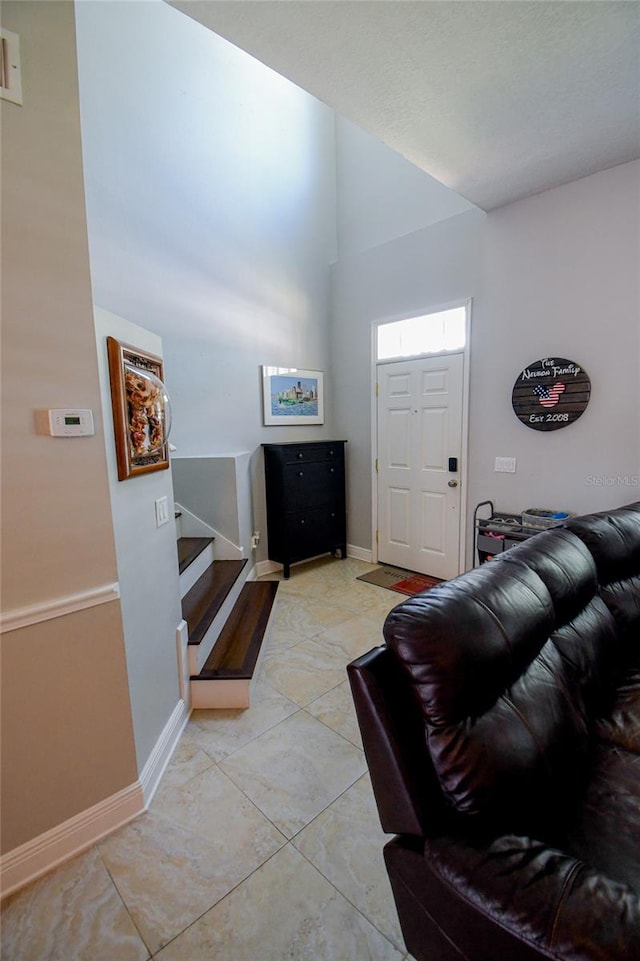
x=141, y=410
x=292, y=396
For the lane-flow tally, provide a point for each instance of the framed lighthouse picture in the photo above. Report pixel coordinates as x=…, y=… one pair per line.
x=551, y=393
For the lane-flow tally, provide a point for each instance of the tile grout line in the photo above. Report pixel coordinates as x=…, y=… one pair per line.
x=122, y=900
x=288, y=841
x=335, y=710
x=347, y=898
x=223, y=898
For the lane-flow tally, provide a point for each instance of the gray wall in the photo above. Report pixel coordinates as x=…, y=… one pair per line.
x=425, y=270
x=206, y=486
x=211, y=191
x=554, y=274
x=561, y=277
x=211, y=211
x=147, y=564
x=382, y=196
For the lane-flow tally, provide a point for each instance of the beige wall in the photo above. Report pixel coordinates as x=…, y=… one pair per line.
x=68, y=741
x=67, y=737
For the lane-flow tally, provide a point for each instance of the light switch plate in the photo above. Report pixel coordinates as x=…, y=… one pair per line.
x=162, y=511
x=10, y=73
x=506, y=465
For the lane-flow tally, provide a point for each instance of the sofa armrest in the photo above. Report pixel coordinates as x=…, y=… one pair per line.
x=515, y=898
x=406, y=792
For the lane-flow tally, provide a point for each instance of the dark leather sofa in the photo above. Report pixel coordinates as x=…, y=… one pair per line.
x=501, y=726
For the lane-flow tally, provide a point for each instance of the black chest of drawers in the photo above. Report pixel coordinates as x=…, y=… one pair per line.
x=306, y=514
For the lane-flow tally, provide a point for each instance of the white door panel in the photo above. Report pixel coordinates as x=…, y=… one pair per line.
x=433, y=521
x=399, y=501
x=399, y=385
x=435, y=382
x=434, y=434
x=419, y=429
x=400, y=447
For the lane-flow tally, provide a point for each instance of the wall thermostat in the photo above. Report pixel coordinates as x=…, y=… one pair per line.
x=65, y=423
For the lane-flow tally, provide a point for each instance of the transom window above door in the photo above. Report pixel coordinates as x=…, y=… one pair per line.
x=428, y=334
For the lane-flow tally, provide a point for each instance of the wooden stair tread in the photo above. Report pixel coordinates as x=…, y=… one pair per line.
x=189, y=548
x=236, y=651
x=201, y=604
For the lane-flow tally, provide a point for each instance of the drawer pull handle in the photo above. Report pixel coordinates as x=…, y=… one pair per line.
x=300, y=456
x=300, y=473
x=302, y=522
x=332, y=470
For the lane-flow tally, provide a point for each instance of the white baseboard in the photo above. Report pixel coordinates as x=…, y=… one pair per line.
x=161, y=755
x=267, y=567
x=272, y=567
x=253, y=572
x=360, y=553
x=45, y=852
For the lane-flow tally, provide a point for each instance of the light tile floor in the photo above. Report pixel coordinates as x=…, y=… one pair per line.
x=263, y=840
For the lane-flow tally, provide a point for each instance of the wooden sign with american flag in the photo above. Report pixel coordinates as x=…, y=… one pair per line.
x=551, y=393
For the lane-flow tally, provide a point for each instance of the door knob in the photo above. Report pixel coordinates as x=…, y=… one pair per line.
x=453, y=483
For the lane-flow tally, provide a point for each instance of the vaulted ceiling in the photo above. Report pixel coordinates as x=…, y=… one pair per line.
x=497, y=100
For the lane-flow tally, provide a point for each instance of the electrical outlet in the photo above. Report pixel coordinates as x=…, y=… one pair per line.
x=506, y=465
x=255, y=540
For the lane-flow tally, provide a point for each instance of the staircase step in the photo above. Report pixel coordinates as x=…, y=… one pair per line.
x=189, y=548
x=201, y=604
x=225, y=681
x=236, y=651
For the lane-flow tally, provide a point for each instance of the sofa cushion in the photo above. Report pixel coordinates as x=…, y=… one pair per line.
x=504, y=688
x=557, y=905
x=623, y=600
x=621, y=724
x=568, y=571
x=459, y=653
x=613, y=539
x=604, y=830
x=565, y=566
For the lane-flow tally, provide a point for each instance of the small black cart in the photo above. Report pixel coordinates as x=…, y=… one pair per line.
x=498, y=532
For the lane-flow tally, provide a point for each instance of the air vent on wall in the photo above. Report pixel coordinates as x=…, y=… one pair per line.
x=10, y=78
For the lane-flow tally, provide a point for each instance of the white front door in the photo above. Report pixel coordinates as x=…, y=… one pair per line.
x=419, y=431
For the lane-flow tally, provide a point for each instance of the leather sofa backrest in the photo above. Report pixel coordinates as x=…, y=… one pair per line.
x=613, y=539
x=568, y=571
x=504, y=663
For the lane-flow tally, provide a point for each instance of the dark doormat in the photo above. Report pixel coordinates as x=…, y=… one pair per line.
x=397, y=579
